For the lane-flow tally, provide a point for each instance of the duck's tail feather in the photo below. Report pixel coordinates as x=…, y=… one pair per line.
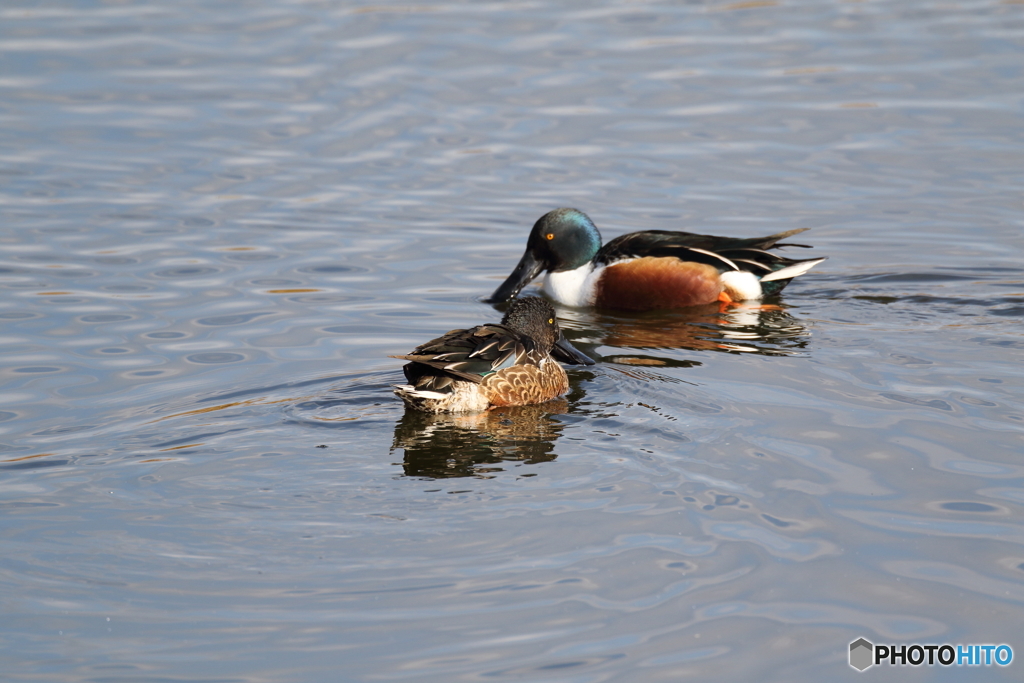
x=774, y=282
x=790, y=272
x=772, y=241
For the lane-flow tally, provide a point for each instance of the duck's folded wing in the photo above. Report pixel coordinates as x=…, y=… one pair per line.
x=674, y=243
x=472, y=354
x=724, y=253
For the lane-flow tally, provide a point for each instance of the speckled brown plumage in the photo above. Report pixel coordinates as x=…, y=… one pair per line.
x=505, y=364
x=522, y=385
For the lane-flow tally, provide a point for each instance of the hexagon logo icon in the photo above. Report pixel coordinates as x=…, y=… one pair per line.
x=861, y=654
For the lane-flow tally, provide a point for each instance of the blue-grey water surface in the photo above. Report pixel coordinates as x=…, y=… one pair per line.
x=217, y=219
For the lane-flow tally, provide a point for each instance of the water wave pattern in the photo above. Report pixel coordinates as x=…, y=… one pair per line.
x=219, y=219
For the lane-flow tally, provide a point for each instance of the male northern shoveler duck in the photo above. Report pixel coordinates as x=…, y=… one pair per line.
x=648, y=270
x=508, y=364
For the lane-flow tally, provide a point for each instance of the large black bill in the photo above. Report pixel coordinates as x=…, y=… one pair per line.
x=527, y=269
x=567, y=353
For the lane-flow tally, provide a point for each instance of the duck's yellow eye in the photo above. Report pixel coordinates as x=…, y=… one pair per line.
x=551, y=321
x=550, y=236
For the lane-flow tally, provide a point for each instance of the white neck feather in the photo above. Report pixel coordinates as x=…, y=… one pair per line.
x=741, y=285
x=573, y=287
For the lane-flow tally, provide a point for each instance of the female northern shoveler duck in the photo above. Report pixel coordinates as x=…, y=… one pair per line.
x=509, y=364
x=648, y=270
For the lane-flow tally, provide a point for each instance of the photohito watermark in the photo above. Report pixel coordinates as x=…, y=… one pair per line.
x=864, y=654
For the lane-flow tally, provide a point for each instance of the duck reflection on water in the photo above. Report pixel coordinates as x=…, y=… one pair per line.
x=441, y=446
x=760, y=329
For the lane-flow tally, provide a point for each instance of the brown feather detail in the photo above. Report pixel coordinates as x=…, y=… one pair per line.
x=483, y=349
x=525, y=384
x=657, y=282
